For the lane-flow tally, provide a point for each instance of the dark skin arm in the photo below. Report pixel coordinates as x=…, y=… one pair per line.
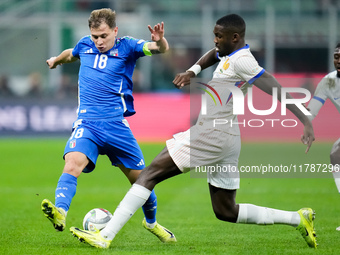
x=266, y=82
x=207, y=60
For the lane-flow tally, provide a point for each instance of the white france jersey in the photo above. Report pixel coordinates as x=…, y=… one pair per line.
x=328, y=88
x=239, y=69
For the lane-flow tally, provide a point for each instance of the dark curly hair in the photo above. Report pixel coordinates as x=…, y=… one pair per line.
x=234, y=23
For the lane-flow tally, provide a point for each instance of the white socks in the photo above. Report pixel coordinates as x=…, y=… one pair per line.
x=248, y=213
x=151, y=225
x=253, y=214
x=61, y=209
x=135, y=198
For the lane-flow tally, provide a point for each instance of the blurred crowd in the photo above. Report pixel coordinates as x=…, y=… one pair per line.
x=163, y=70
x=33, y=80
x=33, y=86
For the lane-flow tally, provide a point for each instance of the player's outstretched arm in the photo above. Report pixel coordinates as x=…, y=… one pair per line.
x=64, y=57
x=267, y=82
x=159, y=44
x=315, y=105
x=207, y=60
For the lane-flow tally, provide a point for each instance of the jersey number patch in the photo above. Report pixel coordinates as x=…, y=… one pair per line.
x=100, y=61
x=77, y=133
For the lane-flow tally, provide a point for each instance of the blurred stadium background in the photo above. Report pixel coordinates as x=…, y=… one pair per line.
x=294, y=39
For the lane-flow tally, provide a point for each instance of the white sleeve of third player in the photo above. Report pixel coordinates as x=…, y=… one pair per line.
x=319, y=98
x=247, y=68
x=314, y=107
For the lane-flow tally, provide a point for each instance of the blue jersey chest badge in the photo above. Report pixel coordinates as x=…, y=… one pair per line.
x=114, y=52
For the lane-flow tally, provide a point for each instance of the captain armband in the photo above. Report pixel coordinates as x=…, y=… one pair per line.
x=146, y=50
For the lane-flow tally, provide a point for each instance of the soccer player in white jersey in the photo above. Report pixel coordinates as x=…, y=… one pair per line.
x=204, y=145
x=105, y=99
x=329, y=88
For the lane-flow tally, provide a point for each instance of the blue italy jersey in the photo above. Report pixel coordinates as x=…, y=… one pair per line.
x=105, y=79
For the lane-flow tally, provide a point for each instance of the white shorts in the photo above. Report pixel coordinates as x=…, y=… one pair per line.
x=208, y=150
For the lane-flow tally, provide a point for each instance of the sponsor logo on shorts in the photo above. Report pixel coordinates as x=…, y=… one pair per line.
x=141, y=163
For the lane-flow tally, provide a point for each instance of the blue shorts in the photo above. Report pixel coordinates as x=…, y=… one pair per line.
x=112, y=138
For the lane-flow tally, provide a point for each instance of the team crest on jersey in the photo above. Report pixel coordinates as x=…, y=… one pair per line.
x=226, y=64
x=73, y=144
x=114, y=53
x=255, y=70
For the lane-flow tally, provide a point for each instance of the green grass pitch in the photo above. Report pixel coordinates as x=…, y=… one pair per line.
x=30, y=170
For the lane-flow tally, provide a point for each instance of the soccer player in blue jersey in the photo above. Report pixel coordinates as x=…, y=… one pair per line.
x=105, y=99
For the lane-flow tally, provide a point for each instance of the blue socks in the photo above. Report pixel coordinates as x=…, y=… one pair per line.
x=66, y=189
x=67, y=186
x=150, y=208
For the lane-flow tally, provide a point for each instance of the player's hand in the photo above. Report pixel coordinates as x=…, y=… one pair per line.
x=157, y=33
x=308, y=136
x=51, y=63
x=183, y=79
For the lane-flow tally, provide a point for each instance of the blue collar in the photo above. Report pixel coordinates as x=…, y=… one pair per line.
x=245, y=47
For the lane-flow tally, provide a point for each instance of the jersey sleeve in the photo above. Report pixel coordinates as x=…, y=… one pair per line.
x=321, y=90
x=248, y=69
x=76, y=49
x=319, y=98
x=314, y=107
x=137, y=46
x=83, y=43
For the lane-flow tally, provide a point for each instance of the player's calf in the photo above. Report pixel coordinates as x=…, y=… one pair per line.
x=223, y=203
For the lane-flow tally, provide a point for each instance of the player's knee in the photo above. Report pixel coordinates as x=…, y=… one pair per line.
x=75, y=162
x=73, y=168
x=226, y=214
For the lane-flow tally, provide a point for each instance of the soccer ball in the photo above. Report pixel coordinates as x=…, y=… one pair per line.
x=96, y=219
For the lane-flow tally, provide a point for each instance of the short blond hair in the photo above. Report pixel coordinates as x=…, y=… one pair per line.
x=99, y=16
